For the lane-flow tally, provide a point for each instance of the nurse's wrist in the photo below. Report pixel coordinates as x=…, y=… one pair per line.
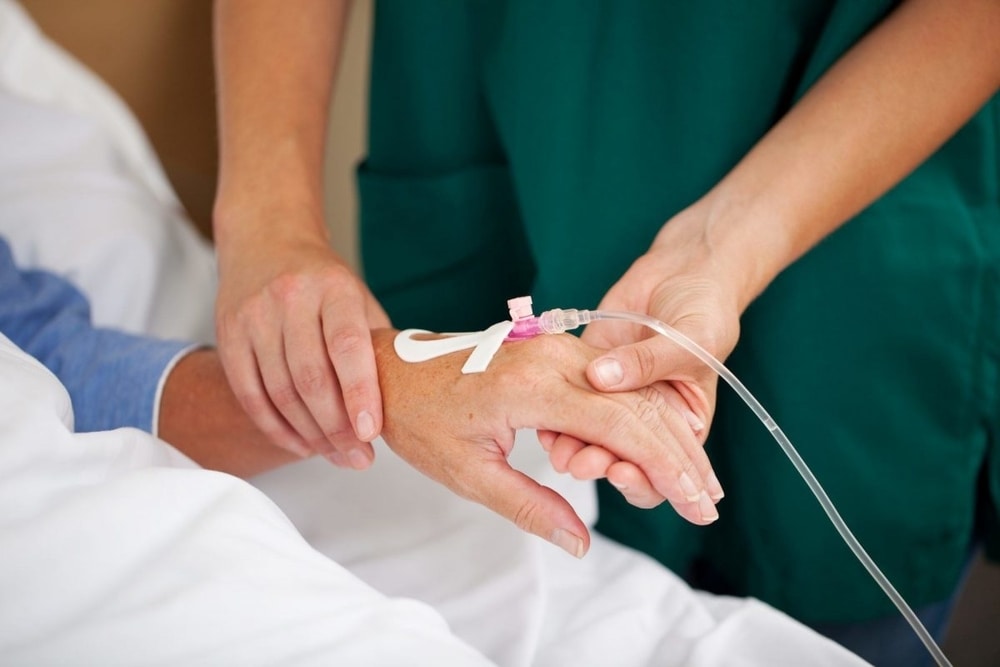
x=742, y=244
x=282, y=197
x=266, y=221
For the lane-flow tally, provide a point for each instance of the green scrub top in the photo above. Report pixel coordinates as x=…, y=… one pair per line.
x=537, y=147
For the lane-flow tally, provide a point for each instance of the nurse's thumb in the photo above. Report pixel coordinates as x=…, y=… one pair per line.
x=536, y=509
x=637, y=365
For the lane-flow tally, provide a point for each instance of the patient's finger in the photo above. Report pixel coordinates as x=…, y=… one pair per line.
x=631, y=425
x=314, y=380
x=681, y=406
x=633, y=484
x=239, y=363
x=532, y=507
x=675, y=431
x=679, y=423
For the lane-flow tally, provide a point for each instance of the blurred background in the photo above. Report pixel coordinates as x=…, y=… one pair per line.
x=157, y=54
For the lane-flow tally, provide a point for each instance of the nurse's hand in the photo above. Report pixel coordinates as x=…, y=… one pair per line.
x=680, y=282
x=459, y=429
x=293, y=325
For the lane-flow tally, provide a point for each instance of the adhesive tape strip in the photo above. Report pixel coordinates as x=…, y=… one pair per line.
x=485, y=345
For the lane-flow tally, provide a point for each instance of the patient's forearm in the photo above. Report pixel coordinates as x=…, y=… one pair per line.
x=199, y=415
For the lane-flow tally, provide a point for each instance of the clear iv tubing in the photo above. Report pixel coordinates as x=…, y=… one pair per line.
x=558, y=321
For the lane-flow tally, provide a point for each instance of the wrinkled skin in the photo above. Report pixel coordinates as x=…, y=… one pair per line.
x=459, y=430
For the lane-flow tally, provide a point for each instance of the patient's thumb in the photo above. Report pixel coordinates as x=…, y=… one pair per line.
x=538, y=510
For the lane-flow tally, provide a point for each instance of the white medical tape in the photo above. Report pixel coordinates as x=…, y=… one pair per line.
x=485, y=345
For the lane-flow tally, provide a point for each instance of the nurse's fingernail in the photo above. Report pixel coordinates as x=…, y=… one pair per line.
x=359, y=459
x=707, y=508
x=689, y=488
x=568, y=542
x=713, y=487
x=365, y=426
x=609, y=372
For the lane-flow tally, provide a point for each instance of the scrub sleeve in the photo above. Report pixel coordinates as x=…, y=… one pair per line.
x=537, y=147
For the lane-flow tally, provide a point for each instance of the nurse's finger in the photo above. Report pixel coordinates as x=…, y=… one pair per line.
x=349, y=346
x=562, y=450
x=269, y=352
x=590, y=463
x=316, y=385
x=532, y=507
x=546, y=438
x=240, y=365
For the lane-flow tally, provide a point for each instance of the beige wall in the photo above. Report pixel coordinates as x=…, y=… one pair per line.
x=348, y=132
x=158, y=55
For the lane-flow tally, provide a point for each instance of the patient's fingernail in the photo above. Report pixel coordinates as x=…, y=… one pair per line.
x=609, y=372
x=713, y=487
x=568, y=542
x=359, y=459
x=689, y=488
x=707, y=508
x=619, y=485
x=365, y=426
x=696, y=424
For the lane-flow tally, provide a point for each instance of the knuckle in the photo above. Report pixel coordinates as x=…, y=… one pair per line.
x=286, y=288
x=340, y=286
x=524, y=517
x=312, y=380
x=355, y=394
x=644, y=359
x=339, y=435
x=652, y=407
x=284, y=395
x=686, y=465
x=619, y=421
x=339, y=274
x=253, y=403
x=648, y=412
x=346, y=342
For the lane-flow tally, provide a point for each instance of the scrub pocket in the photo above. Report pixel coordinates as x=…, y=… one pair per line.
x=443, y=251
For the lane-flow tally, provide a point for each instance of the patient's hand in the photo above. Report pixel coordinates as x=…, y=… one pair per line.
x=459, y=429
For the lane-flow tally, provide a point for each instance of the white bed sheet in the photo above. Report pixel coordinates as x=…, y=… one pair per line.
x=115, y=549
